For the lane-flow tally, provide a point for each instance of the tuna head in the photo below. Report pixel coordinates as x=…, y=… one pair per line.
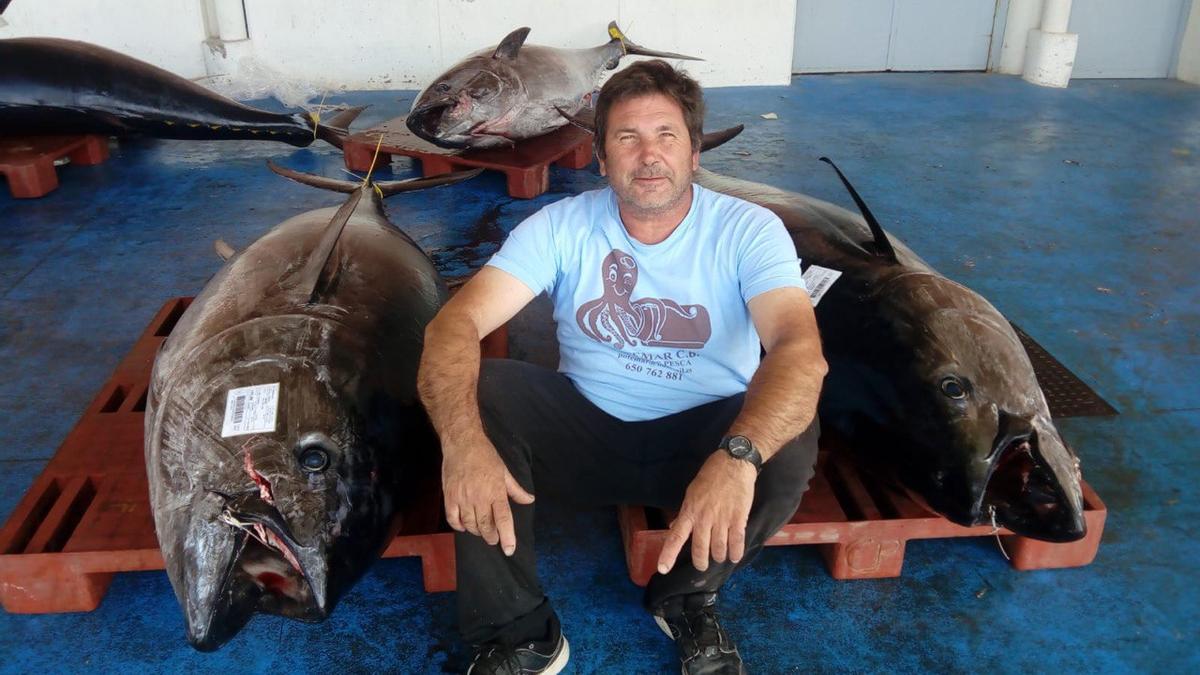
x=977, y=441
x=475, y=102
x=280, y=519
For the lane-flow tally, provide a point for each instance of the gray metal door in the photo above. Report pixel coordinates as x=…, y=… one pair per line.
x=1118, y=38
x=865, y=35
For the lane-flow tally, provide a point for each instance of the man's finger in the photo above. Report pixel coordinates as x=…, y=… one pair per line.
x=737, y=544
x=676, y=538
x=468, y=520
x=515, y=491
x=720, y=538
x=486, y=528
x=700, y=539
x=452, y=516
x=504, y=525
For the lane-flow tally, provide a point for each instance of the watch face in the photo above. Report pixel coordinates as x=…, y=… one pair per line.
x=739, y=446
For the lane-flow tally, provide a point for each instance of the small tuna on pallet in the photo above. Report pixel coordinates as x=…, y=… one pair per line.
x=283, y=419
x=512, y=91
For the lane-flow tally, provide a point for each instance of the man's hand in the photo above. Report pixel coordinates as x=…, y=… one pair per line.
x=477, y=486
x=713, y=514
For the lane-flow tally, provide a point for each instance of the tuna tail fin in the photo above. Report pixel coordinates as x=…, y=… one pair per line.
x=320, y=271
x=386, y=188
x=630, y=47
x=586, y=120
x=883, y=245
x=334, y=129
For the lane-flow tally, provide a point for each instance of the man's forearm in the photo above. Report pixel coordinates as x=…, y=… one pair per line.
x=448, y=379
x=781, y=400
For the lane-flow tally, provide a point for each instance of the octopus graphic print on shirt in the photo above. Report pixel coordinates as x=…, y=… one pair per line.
x=647, y=330
x=619, y=319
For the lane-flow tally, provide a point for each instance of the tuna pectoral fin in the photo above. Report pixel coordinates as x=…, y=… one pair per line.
x=631, y=47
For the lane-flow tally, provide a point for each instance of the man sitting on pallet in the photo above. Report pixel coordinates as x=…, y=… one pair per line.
x=662, y=293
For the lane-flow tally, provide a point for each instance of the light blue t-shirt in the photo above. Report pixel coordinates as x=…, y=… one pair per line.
x=648, y=330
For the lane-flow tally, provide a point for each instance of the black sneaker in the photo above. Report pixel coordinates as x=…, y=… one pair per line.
x=704, y=647
x=548, y=657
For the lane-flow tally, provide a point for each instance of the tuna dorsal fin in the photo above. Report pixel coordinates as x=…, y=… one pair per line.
x=321, y=269
x=511, y=44
x=883, y=245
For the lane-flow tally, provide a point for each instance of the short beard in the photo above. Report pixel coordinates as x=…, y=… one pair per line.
x=652, y=210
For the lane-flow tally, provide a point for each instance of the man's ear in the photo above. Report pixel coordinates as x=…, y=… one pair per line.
x=695, y=160
x=603, y=168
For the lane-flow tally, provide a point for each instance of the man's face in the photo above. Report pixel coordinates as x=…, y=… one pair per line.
x=648, y=153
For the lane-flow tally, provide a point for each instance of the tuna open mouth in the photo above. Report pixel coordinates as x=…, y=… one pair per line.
x=290, y=579
x=1024, y=496
x=424, y=122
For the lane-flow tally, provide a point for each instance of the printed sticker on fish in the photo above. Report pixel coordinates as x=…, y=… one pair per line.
x=251, y=410
x=818, y=280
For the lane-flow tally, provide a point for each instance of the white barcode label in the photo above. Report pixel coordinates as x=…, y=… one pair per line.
x=818, y=280
x=251, y=410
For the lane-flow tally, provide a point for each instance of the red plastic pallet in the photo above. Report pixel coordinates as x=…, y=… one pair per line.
x=526, y=166
x=862, y=525
x=87, y=516
x=28, y=163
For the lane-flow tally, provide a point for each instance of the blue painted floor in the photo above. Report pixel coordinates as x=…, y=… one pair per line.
x=1076, y=212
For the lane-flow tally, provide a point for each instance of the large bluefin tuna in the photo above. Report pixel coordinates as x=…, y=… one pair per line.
x=283, y=416
x=53, y=86
x=511, y=91
x=927, y=381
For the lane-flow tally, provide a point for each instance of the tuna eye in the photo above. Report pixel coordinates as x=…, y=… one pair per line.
x=314, y=459
x=443, y=87
x=953, y=388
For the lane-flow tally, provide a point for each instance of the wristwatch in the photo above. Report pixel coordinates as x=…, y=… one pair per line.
x=740, y=447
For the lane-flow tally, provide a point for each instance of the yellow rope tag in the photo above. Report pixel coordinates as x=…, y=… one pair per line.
x=373, y=158
x=316, y=114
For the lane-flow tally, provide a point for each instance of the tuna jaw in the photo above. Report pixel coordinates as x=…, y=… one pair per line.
x=1025, y=496
x=239, y=560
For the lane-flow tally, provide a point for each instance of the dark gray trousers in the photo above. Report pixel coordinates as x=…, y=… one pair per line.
x=557, y=443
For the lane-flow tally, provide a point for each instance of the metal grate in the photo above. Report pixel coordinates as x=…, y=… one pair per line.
x=1067, y=395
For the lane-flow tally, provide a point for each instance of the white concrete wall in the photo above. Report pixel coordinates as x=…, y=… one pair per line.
x=166, y=33
x=395, y=44
x=1189, y=49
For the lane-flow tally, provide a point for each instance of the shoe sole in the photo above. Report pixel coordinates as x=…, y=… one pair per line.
x=559, y=661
